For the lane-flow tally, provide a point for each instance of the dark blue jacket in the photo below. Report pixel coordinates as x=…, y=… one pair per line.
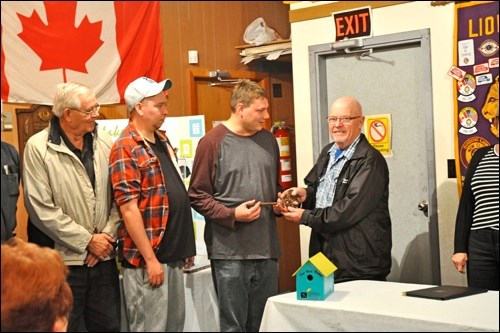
x=10, y=189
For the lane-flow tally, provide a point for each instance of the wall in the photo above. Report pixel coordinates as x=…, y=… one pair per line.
x=399, y=18
x=213, y=28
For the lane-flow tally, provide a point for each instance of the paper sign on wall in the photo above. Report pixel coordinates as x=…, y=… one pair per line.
x=378, y=129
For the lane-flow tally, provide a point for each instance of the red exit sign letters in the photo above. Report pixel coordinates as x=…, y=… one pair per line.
x=353, y=24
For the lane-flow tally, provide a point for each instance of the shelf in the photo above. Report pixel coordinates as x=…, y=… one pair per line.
x=270, y=51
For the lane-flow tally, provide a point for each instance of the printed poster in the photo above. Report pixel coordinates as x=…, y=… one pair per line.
x=184, y=134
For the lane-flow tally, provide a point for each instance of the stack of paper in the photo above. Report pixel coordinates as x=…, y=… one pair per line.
x=271, y=51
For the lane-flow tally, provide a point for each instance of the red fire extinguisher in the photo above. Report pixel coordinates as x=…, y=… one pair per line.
x=283, y=139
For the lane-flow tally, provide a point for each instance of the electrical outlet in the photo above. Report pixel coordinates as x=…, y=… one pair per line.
x=277, y=92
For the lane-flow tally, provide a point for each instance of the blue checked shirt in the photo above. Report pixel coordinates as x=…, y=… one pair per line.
x=326, y=187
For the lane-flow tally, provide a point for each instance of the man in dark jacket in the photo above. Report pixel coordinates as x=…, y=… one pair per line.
x=10, y=188
x=346, y=200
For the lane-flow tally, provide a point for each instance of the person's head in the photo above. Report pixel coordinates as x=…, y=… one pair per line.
x=249, y=106
x=76, y=107
x=345, y=121
x=35, y=294
x=147, y=102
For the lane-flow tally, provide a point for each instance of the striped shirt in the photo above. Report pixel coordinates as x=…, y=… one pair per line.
x=485, y=185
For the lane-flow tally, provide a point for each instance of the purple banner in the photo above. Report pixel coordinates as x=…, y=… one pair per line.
x=476, y=80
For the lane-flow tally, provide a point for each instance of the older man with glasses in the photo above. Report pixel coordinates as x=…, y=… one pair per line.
x=346, y=202
x=68, y=197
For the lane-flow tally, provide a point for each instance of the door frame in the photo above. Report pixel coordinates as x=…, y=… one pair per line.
x=197, y=75
x=318, y=55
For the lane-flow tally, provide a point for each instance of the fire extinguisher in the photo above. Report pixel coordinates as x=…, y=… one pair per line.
x=283, y=139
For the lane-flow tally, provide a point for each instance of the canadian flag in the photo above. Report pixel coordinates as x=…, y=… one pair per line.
x=103, y=44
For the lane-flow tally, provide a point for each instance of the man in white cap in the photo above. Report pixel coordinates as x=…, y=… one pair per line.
x=156, y=234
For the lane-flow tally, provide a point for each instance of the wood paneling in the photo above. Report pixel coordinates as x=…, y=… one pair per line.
x=213, y=101
x=213, y=28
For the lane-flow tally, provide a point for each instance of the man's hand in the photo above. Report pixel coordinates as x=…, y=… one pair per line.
x=91, y=260
x=101, y=245
x=292, y=197
x=248, y=211
x=188, y=262
x=156, y=276
x=293, y=214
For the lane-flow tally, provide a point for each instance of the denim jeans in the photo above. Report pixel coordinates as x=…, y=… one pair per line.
x=243, y=287
x=483, y=264
x=96, y=298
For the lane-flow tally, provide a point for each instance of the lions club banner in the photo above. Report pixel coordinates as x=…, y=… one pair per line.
x=476, y=79
x=103, y=44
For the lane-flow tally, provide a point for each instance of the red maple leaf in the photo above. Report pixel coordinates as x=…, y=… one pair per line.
x=59, y=43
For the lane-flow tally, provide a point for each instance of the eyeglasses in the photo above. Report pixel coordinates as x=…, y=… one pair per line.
x=343, y=120
x=94, y=110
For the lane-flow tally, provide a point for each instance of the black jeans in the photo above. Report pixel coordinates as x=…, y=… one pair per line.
x=483, y=264
x=96, y=298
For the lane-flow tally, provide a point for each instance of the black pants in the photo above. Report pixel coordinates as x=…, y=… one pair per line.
x=96, y=294
x=483, y=264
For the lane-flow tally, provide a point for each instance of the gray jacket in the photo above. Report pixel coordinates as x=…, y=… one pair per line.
x=59, y=196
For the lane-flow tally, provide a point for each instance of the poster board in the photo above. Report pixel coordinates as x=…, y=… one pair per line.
x=184, y=134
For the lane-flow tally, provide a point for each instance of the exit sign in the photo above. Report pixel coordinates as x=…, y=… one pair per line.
x=353, y=24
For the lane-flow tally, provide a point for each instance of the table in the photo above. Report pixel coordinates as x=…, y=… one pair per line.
x=202, y=311
x=372, y=306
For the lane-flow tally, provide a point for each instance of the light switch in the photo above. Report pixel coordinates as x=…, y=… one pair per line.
x=7, y=121
x=193, y=56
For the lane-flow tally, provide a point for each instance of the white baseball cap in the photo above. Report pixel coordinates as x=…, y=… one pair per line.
x=144, y=87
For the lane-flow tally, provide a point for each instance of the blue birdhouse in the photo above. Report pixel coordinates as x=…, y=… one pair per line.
x=315, y=279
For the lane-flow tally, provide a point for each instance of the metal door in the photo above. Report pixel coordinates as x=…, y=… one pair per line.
x=391, y=74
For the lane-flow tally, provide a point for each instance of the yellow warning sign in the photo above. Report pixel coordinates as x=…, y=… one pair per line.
x=378, y=131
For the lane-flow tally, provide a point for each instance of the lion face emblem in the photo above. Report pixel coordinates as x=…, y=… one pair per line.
x=490, y=107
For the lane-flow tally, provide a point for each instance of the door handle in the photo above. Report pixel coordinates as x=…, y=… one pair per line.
x=423, y=206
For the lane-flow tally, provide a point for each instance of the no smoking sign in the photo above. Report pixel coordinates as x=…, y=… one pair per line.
x=378, y=131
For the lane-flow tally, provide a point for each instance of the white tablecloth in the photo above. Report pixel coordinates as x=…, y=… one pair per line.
x=374, y=306
x=202, y=311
